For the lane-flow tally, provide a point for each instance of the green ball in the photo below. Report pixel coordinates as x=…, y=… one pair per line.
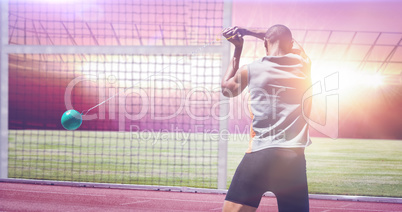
x=71, y=120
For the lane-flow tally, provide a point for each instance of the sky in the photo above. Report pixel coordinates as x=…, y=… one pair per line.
x=335, y=15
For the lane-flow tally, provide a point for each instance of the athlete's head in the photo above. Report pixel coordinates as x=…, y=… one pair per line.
x=278, y=40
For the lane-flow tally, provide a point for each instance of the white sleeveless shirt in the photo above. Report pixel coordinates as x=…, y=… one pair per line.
x=277, y=85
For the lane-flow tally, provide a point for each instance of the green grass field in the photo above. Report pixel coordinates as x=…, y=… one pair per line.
x=343, y=166
x=114, y=157
x=346, y=166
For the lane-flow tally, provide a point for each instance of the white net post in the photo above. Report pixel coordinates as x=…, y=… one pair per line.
x=3, y=89
x=224, y=108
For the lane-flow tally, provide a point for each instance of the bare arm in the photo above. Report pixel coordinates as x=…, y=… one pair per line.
x=235, y=79
x=258, y=33
x=298, y=49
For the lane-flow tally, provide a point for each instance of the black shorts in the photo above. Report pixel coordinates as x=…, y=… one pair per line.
x=279, y=170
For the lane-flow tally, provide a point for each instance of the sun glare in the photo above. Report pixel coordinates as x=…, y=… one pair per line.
x=348, y=80
x=374, y=80
x=359, y=80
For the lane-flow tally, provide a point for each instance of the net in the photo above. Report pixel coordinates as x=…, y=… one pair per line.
x=161, y=125
x=164, y=59
x=152, y=133
x=105, y=22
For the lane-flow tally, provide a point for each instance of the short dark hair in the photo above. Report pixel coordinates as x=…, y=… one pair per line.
x=279, y=33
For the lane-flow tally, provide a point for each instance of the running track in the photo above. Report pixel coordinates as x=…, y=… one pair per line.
x=31, y=197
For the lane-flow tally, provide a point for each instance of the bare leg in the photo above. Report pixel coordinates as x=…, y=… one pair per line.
x=232, y=207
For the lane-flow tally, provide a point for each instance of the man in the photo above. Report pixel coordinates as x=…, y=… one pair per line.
x=275, y=158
